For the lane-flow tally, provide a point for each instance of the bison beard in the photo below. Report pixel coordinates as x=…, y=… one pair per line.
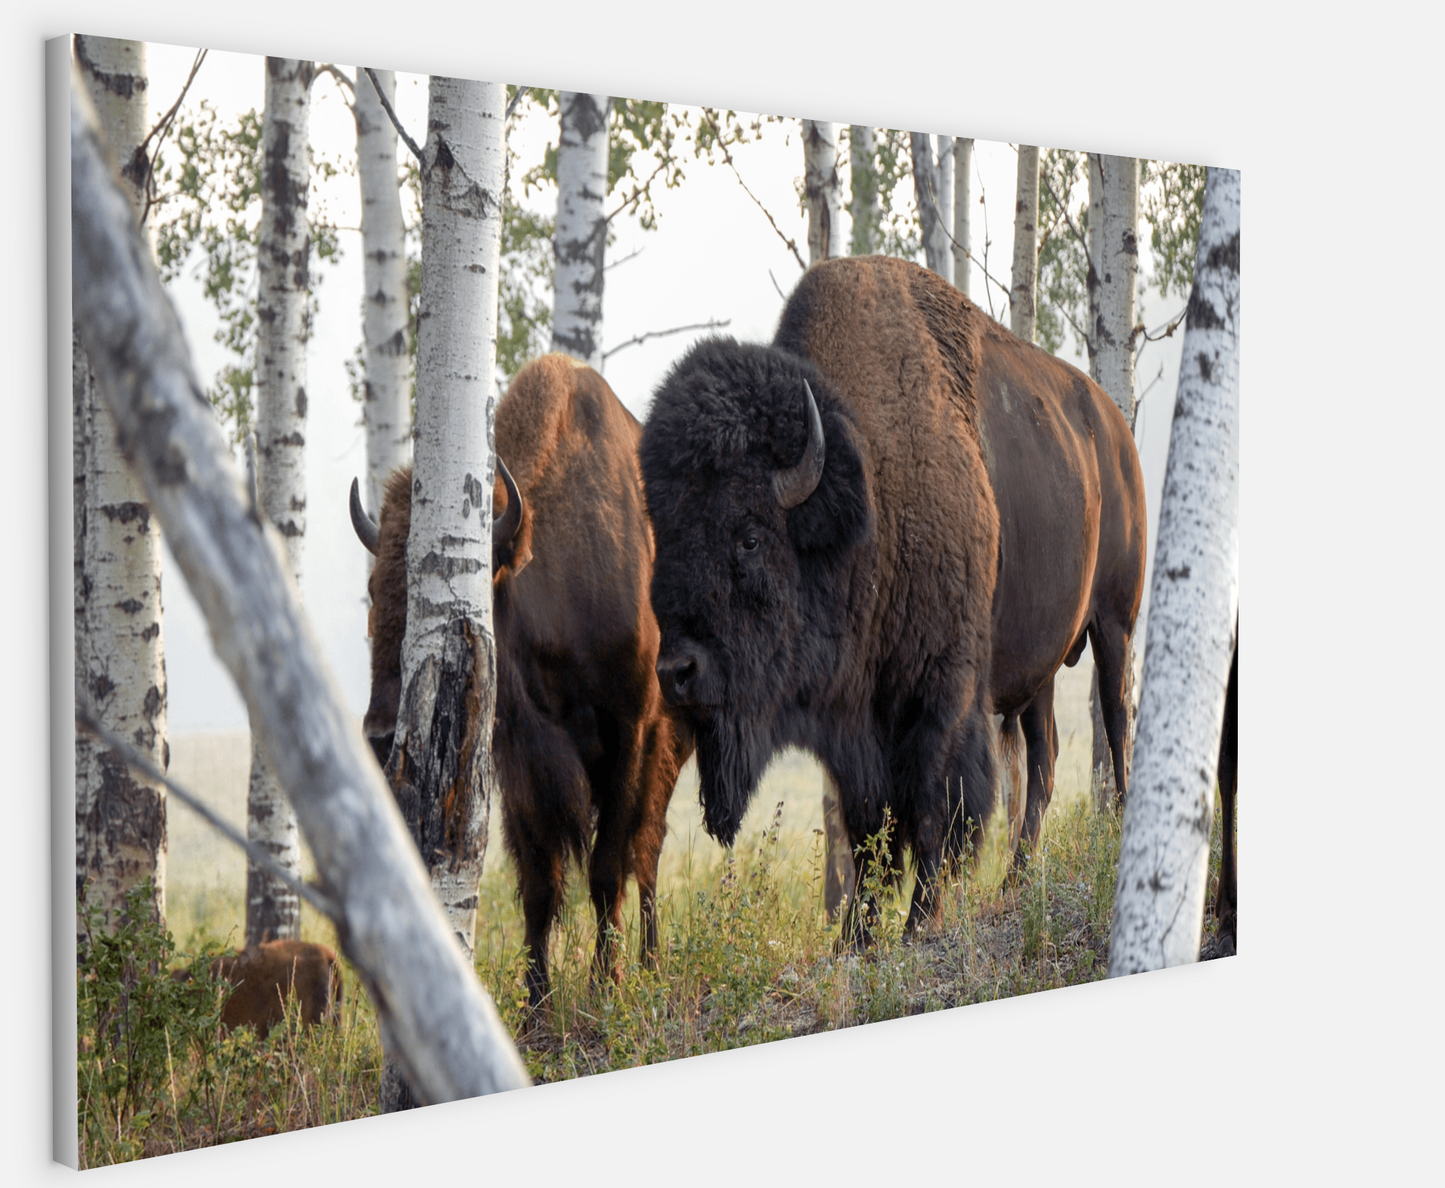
x=731, y=758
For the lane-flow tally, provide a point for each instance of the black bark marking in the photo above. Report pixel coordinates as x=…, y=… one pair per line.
x=1177, y=572
x=127, y=86
x=129, y=512
x=301, y=403
x=131, y=606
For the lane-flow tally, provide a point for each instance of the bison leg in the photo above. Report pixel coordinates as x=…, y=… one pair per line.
x=540, y=876
x=1110, y=644
x=1224, y=904
x=972, y=795
x=659, y=776
x=1041, y=735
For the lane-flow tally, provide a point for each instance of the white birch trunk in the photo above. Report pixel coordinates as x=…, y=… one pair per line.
x=822, y=189
x=432, y=1011
x=1113, y=233
x=441, y=767
x=1023, y=295
x=1096, y=219
x=385, y=393
x=1193, y=602
x=925, y=194
x=945, y=205
x=273, y=910
x=120, y=817
x=1118, y=266
x=864, y=206
x=962, y=211
x=581, y=236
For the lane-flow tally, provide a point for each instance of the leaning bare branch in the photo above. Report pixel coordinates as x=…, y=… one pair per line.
x=391, y=115
x=728, y=157
x=777, y=286
x=163, y=125
x=432, y=1011
x=85, y=717
x=639, y=339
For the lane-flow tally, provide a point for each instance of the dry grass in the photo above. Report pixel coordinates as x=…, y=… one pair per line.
x=746, y=955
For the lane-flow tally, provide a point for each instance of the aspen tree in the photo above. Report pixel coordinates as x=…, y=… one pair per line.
x=1193, y=607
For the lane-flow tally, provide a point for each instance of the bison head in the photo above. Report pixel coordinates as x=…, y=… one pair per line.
x=386, y=624
x=761, y=515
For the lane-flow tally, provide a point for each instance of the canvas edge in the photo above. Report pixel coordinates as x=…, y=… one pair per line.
x=65, y=1137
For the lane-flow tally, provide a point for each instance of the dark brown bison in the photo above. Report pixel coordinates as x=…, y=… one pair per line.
x=891, y=522
x=262, y=977
x=586, y=752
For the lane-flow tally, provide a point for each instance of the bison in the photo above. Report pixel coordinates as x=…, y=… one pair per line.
x=587, y=754
x=263, y=975
x=891, y=522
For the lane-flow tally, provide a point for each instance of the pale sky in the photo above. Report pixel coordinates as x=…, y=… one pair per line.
x=709, y=258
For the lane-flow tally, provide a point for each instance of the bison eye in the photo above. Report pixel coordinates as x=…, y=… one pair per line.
x=750, y=543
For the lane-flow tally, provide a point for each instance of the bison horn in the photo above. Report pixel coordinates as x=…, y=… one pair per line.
x=796, y=483
x=505, y=526
x=366, y=529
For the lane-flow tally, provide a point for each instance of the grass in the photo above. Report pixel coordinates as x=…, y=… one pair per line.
x=746, y=956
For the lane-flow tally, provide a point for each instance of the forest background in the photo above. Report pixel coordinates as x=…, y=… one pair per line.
x=1293, y=1044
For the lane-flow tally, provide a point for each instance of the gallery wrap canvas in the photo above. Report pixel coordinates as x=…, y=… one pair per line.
x=842, y=896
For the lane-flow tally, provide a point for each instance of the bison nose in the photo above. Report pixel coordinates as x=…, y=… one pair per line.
x=680, y=677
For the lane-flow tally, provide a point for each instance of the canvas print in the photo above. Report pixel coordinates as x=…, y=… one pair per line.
x=566, y=582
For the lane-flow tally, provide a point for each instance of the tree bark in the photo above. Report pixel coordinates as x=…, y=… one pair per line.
x=1114, y=248
x=1193, y=603
x=822, y=189
x=441, y=763
x=385, y=393
x=273, y=910
x=1023, y=295
x=925, y=194
x=864, y=207
x=432, y=1012
x=120, y=817
x=962, y=211
x=581, y=237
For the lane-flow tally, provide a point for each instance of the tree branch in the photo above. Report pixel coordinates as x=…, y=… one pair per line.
x=341, y=80
x=163, y=126
x=728, y=157
x=637, y=340
x=516, y=99
x=1083, y=243
x=641, y=189
x=85, y=717
x=630, y=255
x=391, y=114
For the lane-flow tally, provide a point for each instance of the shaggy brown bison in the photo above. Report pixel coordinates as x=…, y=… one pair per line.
x=263, y=975
x=891, y=522
x=587, y=754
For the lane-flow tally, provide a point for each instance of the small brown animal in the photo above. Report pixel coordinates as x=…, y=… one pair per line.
x=264, y=974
